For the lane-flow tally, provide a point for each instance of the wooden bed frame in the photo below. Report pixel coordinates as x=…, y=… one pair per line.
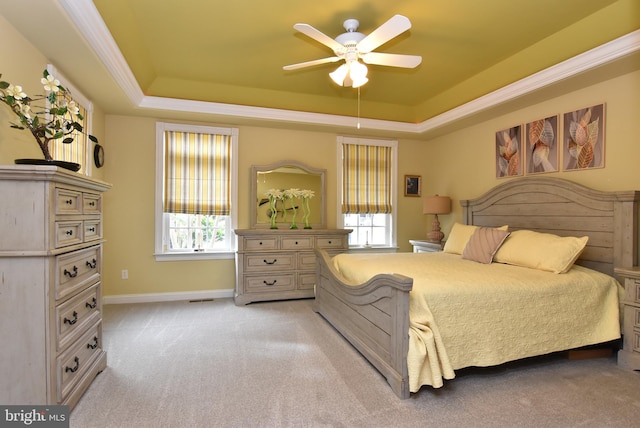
x=374, y=316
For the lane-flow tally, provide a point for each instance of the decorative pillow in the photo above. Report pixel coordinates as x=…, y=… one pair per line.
x=544, y=251
x=483, y=244
x=459, y=236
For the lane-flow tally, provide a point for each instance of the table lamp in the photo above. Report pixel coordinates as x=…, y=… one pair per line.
x=436, y=205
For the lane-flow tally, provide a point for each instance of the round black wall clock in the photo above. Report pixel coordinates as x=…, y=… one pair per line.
x=98, y=155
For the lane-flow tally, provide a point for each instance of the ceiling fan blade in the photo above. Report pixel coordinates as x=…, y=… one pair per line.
x=311, y=63
x=393, y=60
x=398, y=24
x=319, y=36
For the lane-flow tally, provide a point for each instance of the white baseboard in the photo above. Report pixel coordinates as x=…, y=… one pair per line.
x=167, y=297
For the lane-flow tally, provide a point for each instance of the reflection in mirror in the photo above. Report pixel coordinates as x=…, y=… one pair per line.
x=282, y=176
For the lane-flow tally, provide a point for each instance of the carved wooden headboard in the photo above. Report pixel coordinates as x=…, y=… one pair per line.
x=564, y=208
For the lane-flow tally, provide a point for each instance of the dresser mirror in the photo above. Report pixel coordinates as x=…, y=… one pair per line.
x=282, y=176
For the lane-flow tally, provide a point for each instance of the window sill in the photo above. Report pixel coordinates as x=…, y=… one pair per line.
x=373, y=249
x=204, y=255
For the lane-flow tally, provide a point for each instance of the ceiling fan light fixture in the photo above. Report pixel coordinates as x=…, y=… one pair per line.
x=358, y=74
x=339, y=74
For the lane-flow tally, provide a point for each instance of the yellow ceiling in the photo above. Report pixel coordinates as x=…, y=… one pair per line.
x=233, y=51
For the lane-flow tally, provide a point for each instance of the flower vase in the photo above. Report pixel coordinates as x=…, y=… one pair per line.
x=295, y=212
x=274, y=212
x=307, y=213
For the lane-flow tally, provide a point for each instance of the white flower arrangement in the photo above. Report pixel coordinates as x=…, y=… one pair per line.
x=61, y=120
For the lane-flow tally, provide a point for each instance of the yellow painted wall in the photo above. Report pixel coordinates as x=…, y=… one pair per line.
x=129, y=205
x=23, y=65
x=465, y=164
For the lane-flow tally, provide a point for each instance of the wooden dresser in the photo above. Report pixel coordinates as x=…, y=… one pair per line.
x=281, y=264
x=50, y=291
x=629, y=356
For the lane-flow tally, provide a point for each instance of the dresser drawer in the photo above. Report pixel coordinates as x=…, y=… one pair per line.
x=72, y=364
x=269, y=262
x=92, y=230
x=265, y=283
x=329, y=242
x=306, y=281
x=297, y=243
x=76, y=270
x=68, y=233
x=74, y=316
x=636, y=340
x=91, y=203
x=307, y=261
x=68, y=201
x=258, y=244
x=634, y=293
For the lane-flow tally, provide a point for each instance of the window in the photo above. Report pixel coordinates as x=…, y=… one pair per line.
x=196, y=195
x=81, y=149
x=367, y=174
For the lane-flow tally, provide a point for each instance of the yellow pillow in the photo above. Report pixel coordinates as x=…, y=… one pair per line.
x=543, y=251
x=459, y=236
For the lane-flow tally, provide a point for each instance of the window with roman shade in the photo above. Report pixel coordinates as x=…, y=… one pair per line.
x=80, y=150
x=366, y=179
x=367, y=194
x=197, y=173
x=196, y=194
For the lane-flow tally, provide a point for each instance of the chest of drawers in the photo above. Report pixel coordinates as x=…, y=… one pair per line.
x=280, y=264
x=629, y=356
x=50, y=284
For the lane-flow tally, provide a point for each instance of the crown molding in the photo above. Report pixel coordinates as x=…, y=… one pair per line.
x=91, y=26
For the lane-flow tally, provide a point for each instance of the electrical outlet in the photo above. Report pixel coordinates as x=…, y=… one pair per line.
x=125, y=274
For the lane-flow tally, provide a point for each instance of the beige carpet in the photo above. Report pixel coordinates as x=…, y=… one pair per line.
x=279, y=364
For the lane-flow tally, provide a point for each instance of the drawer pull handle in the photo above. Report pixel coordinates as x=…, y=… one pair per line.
x=296, y=242
x=73, y=369
x=72, y=274
x=91, y=229
x=92, y=264
x=92, y=204
x=93, y=303
x=73, y=321
x=69, y=232
x=260, y=243
x=329, y=242
x=270, y=283
x=271, y=263
x=93, y=345
x=69, y=202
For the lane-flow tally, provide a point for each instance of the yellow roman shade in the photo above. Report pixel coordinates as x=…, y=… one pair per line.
x=197, y=173
x=366, y=179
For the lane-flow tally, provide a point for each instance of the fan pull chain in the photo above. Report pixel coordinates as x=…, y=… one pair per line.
x=358, y=125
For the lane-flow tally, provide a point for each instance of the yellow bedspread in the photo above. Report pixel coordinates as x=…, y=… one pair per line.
x=464, y=313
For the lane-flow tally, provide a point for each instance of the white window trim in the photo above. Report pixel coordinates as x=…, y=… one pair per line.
x=159, y=254
x=78, y=97
x=394, y=189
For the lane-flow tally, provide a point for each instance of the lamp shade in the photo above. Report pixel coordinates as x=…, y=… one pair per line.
x=437, y=205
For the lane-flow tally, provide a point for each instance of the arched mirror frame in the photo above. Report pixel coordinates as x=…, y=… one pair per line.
x=321, y=195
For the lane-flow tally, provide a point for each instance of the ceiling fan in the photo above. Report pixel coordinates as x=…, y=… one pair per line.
x=353, y=46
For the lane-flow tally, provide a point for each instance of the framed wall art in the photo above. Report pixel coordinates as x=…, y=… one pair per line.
x=542, y=145
x=509, y=154
x=412, y=185
x=583, y=138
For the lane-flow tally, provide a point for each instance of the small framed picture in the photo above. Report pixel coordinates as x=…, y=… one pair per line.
x=412, y=185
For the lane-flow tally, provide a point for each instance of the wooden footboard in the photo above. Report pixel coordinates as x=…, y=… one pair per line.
x=373, y=317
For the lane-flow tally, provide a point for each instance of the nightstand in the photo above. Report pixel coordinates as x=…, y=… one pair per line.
x=425, y=246
x=629, y=356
